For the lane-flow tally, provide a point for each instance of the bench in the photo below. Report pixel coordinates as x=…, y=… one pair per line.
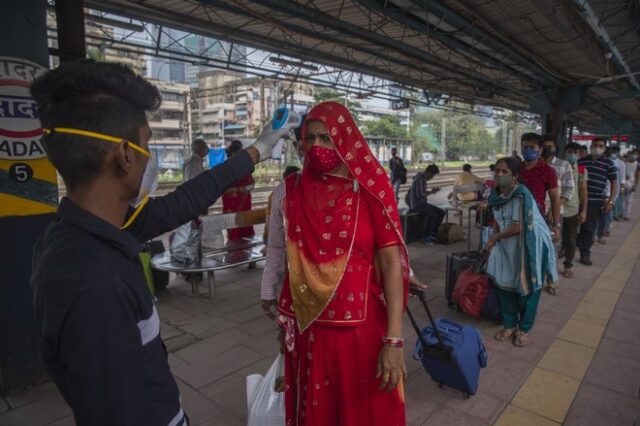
x=246, y=251
x=413, y=223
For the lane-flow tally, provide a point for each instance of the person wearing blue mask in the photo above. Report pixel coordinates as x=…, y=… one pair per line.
x=541, y=179
x=96, y=324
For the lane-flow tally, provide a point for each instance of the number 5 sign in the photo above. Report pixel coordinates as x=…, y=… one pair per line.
x=28, y=181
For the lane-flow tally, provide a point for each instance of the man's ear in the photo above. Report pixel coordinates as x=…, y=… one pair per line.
x=123, y=156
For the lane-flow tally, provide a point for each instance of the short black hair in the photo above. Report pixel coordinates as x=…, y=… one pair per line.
x=599, y=138
x=583, y=147
x=573, y=145
x=197, y=142
x=531, y=137
x=101, y=97
x=513, y=164
x=433, y=169
x=289, y=170
x=548, y=137
x=234, y=147
x=466, y=167
x=615, y=148
x=492, y=167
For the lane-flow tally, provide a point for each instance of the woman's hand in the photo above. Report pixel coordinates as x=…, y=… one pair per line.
x=490, y=244
x=267, y=306
x=391, y=368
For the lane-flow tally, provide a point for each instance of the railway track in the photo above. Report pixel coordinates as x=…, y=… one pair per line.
x=260, y=195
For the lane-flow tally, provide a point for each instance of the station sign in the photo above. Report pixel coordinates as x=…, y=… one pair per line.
x=28, y=180
x=401, y=104
x=622, y=138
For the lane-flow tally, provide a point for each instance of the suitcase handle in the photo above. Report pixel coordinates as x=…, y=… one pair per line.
x=440, y=350
x=469, y=227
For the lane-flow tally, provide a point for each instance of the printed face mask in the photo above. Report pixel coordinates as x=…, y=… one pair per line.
x=323, y=160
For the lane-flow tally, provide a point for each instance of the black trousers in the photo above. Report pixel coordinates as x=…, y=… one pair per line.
x=595, y=215
x=569, y=239
x=434, y=216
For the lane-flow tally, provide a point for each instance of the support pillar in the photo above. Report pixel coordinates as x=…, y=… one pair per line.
x=28, y=182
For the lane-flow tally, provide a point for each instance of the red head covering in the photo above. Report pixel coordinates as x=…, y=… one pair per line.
x=322, y=213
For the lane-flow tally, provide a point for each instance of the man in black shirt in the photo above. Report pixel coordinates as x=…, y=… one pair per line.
x=600, y=171
x=398, y=172
x=97, y=325
x=418, y=203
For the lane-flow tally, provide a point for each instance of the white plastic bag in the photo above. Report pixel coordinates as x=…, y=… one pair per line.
x=265, y=406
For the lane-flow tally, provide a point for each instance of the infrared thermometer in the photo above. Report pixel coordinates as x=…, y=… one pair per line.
x=284, y=118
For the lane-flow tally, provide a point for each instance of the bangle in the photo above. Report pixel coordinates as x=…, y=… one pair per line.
x=394, y=342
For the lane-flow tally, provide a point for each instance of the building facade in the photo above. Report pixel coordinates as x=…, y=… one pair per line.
x=233, y=107
x=170, y=126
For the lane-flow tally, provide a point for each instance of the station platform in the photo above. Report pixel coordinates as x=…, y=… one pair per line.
x=582, y=366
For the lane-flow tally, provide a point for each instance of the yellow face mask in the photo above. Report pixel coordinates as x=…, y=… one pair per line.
x=149, y=178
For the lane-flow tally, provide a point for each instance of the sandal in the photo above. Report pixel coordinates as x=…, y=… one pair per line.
x=520, y=339
x=568, y=273
x=504, y=334
x=551, y=290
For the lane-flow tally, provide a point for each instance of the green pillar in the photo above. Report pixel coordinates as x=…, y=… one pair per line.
x=28, y=186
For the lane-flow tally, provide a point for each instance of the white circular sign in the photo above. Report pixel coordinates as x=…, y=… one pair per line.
x=20, y=129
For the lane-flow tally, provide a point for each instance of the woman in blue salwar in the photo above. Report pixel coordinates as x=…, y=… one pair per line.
x=521, y=251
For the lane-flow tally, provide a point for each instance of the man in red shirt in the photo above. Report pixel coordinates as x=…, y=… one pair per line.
x=540, y=178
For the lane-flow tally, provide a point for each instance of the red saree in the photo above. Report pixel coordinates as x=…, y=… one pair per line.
x=332, y=302
x=237, y=202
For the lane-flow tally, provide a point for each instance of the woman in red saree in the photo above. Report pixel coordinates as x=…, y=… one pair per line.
x=346, y=286
x=238, y=197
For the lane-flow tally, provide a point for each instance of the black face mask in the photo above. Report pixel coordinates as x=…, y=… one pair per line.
x=548, y=152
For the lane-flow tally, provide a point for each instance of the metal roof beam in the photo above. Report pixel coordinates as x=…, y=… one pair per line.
x=623, y=96
x=590, y=16
x=453, y=18
x=424, y=27
x=303, y=12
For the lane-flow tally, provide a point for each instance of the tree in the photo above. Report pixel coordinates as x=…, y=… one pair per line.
x=388, y=126
x=324, y=94
x=466, y=135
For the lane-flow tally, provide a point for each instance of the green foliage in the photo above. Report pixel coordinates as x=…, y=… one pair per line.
x=466, y=135
x=388, y=126
x=324, y=94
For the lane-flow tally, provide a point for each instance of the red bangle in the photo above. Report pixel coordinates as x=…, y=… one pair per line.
x=394, y=342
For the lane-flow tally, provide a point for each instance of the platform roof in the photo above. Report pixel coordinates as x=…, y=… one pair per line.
x=529, y=55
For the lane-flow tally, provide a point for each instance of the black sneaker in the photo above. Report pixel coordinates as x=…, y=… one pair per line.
x=586, y=260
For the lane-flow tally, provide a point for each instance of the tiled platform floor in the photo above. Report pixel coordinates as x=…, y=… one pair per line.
x=581, y=368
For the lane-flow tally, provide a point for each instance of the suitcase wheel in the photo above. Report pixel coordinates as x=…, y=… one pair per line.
x=467, y=395
x=440, y=385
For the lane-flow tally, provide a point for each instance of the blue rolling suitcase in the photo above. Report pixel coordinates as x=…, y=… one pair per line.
x=452, y=354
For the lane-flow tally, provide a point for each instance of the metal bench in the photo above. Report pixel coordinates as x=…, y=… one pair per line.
x=245, y=251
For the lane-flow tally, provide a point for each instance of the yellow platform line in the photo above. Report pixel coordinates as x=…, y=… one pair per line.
x=548, y=392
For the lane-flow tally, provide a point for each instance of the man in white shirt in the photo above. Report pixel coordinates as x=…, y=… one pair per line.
x=631, y=168
x=195, y=164
x=563, y=169
x=622, y=178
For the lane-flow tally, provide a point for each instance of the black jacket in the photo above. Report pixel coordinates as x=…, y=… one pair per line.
x=97, y=326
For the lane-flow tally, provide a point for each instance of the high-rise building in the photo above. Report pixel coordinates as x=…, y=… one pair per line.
x=171, y=134
x=212, y=48
x=166, y=69
x=232, y=107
